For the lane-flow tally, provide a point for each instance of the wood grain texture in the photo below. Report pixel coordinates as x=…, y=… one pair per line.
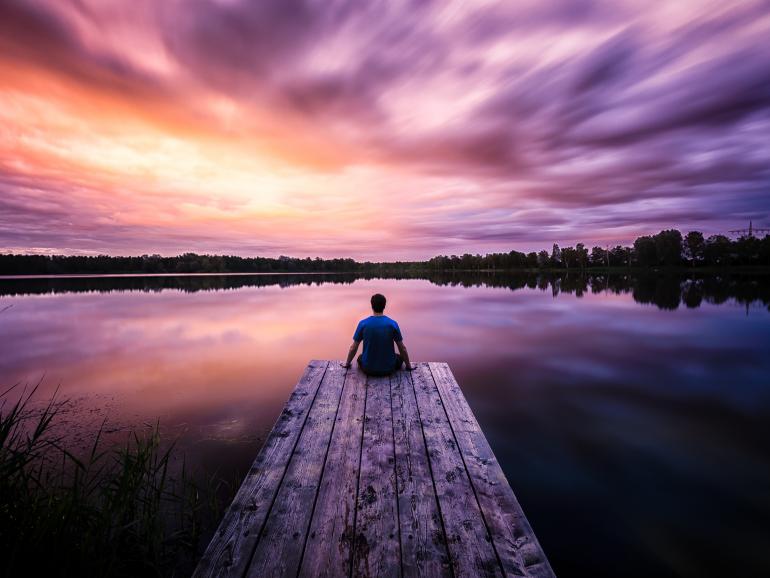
x=511, y=533
x=230, y=550
x=378, y=476
x=376, y=548
x=470, y=546
x=329, y=544
x=423, y=542
x=282, y=540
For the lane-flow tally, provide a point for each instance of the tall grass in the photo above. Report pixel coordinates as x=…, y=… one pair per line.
x=117, y=511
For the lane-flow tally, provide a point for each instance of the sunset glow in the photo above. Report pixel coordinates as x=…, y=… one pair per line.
x=391, y=130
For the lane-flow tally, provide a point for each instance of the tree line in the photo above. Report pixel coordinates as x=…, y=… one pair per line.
x=669, y=248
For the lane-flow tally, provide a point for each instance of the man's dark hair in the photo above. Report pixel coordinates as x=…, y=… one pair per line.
x=378, y=303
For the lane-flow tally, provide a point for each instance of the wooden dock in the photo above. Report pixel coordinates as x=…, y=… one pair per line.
x=375, y=476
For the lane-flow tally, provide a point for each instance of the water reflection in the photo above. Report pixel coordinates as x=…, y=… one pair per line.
x=665, y=290
x=634, y=436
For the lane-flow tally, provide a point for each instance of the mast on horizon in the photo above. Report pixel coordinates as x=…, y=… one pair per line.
x=750, y=231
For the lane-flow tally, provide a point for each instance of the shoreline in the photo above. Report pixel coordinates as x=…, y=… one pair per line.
x=763, y=270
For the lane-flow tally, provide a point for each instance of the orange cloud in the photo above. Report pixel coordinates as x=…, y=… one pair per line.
x=280, y=128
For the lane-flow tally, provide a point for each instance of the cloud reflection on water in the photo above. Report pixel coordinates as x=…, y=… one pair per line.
x=625, y=430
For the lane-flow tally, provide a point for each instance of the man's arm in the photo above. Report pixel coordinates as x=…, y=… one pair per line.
x=404, y=355
x=351, y=353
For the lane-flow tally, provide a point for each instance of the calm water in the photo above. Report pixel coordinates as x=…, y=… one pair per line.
x=630, y=416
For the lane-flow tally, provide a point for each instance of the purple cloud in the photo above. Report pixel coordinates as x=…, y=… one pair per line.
x=562, y=121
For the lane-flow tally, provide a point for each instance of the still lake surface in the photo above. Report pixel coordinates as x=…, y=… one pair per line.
x=631, y=416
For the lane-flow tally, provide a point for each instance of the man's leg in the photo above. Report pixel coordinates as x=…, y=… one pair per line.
x=361, y=365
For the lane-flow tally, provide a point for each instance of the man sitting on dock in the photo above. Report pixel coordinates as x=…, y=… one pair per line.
x=379, y=332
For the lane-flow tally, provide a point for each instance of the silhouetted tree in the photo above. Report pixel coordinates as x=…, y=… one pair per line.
x=569, y=257
x=664, y=249
x=717, y=250
x=694, y=246
x=764, y=251
x=646, y=254
x=598, y=257
x=620, y=256
x=555, y=256
x=582, y=255
x=668, y=247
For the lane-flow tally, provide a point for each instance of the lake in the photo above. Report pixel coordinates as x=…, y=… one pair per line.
x=630, y=414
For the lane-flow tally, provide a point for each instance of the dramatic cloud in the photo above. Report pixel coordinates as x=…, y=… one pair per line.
x=377, y=129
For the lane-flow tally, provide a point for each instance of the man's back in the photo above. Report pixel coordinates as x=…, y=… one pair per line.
x=379, y=333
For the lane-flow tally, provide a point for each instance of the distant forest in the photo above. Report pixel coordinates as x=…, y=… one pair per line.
x=667, y=249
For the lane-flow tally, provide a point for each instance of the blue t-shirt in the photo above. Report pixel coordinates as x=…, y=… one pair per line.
x=378, y=332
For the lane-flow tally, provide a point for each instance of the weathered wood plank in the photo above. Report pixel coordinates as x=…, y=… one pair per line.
x=328, y=549
x=470, y=546
x=283, y=535
x=376, y=548
x=230, y=550
x=389, y=477
x=423, y=542
x=511, y=533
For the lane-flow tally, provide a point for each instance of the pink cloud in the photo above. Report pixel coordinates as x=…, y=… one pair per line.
x=393, y=130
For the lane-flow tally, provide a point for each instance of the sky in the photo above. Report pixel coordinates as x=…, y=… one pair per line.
x=378, y=130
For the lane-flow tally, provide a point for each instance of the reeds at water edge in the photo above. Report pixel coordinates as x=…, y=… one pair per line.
x=125, y=510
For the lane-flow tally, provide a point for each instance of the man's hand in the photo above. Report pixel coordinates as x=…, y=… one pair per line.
x=408, y=365
x=351, y=354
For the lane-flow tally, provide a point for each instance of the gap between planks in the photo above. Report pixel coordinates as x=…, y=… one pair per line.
x=411, y=442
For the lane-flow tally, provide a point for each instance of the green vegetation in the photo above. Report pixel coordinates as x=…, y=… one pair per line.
x=114, y=512
x=666, y=249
